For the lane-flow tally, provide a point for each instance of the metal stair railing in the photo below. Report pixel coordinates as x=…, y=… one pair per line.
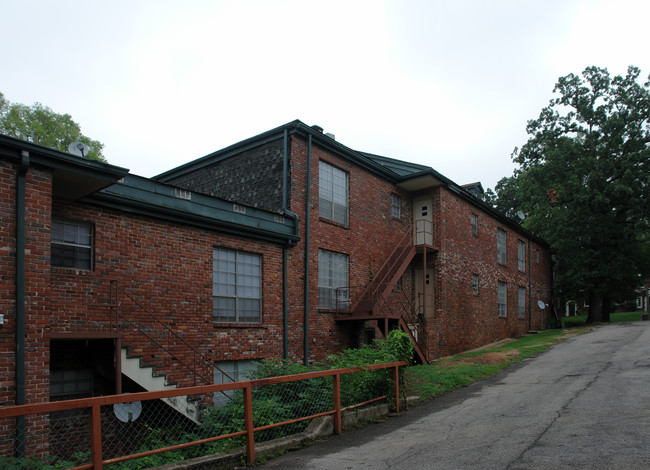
x=137, y=326
x=388, y=272
x=401, y=304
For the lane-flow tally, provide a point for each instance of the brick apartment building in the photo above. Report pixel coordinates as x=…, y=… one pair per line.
x=369, y=224
x=288, y=244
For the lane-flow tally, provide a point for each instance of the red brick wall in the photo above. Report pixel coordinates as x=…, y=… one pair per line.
x=38, y=189
x=167, y=270
x=7, y=277
x=464, y=320
x=368, y=239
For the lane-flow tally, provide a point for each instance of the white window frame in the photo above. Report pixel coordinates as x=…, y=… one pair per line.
x=333, y=194
x=502, y=242
x=502, y=299
x=333, y=280
x=236, y=286
x=72, y=244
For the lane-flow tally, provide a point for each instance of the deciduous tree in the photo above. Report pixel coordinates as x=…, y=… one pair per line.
x=583, y=182
x=39, y=124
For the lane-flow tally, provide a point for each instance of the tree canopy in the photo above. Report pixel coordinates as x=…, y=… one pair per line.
x=583, y=182
x=39, y=124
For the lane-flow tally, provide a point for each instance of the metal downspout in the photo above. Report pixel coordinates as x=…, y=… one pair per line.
x=530, y=292
x=307, y=229
x=20, y=299
x=285, y=267
x=285, y=306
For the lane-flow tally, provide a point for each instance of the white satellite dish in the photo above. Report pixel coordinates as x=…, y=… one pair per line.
x=79, y=149
x=541, y=304
x=127, y=412
x=521, y=215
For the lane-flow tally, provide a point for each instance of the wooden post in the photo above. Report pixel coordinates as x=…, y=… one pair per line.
x=248, y=420
x=337, y=403
x=96, y=437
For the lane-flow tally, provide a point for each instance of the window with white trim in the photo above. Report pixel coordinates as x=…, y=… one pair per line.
x=502, y=299
x=501, y=246
x=333, y=194
x=395, y=206
x=521, y=255
x=237, y=286
x=71, y=244
x=521, y=302
x=332, y=280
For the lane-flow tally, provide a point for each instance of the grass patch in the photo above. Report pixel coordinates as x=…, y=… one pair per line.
x=448, y=374
x=578, y=320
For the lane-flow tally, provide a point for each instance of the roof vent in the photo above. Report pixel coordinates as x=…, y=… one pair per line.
x=330, y=135
x=182, y=194
x=317, y=128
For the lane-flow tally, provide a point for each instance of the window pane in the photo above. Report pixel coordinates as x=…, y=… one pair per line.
x=237, y=287
x=332, y=279
x=521, y=301
x=326, y=297
x=396, y=206
x=501, y=246
x=333, y=193
x=325, y=209
x=521, y=255
x=71, y=244
x=502, y=299
x=224, y=309
x=340, y=214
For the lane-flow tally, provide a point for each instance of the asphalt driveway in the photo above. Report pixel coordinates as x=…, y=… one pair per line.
x=584, y=403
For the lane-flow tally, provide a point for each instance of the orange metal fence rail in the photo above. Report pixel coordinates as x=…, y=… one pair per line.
x=94, y=404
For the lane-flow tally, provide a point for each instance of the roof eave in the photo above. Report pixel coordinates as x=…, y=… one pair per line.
x=73, y=177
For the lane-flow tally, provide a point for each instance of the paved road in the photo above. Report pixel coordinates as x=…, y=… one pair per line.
x=585, y=403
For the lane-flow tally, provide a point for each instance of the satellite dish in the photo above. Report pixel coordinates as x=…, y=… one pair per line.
x=127, y=412
x=541, y=304
x=79, y=149
x=521, y=215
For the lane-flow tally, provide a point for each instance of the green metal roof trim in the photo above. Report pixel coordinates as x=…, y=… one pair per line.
x=393, y=170
x=294, y=127
x=50, y=158
x=399, y=167
x=138, y=195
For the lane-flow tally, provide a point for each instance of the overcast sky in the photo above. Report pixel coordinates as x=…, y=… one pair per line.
x=449, y=84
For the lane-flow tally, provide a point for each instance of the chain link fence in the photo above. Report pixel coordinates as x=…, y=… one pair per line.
x=209, y=420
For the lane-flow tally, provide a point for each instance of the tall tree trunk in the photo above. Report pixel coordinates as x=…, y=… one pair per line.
x=595, y=307
x=607, y=308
